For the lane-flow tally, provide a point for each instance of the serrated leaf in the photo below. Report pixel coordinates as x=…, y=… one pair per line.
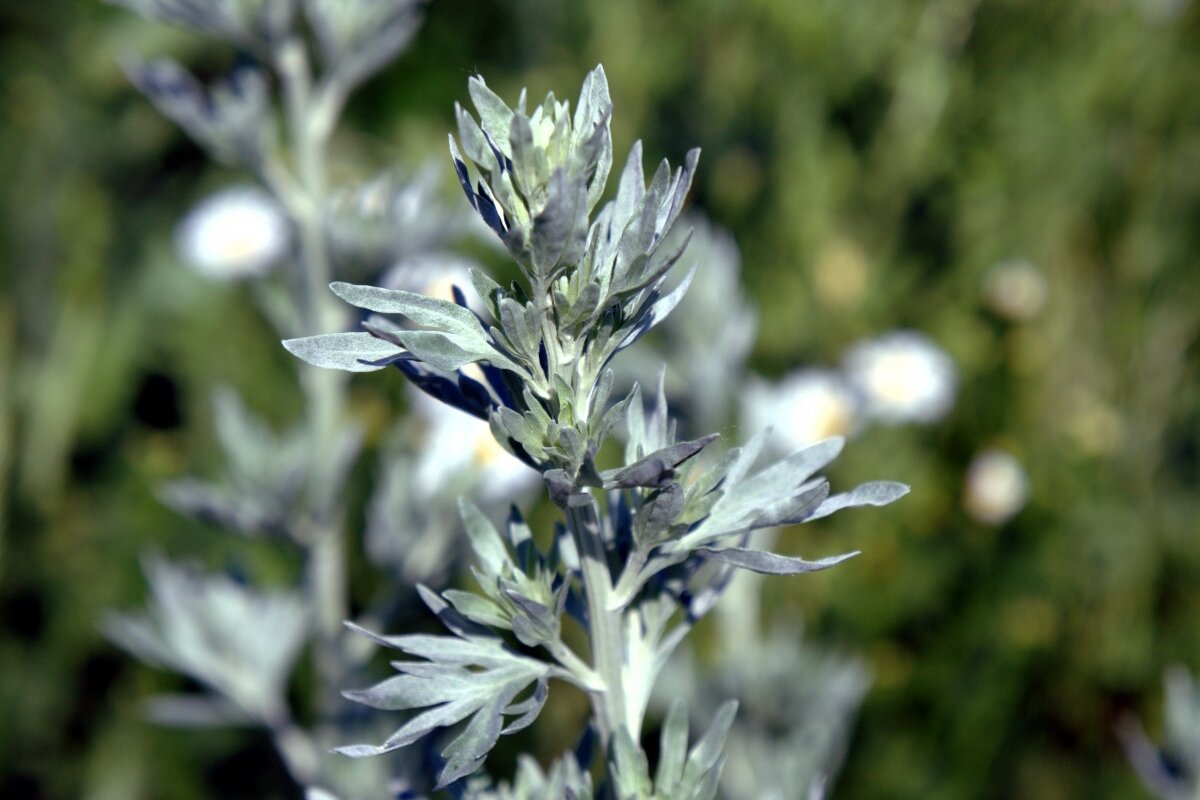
x=473, y=678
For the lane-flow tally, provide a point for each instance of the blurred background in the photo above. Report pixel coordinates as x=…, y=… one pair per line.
x=1016, y=180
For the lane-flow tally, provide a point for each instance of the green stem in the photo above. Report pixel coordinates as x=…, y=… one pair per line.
x=605, y=626
x=309, y=123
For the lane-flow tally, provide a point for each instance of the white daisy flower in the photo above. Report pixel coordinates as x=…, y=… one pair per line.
x=902, y=377
x=236, y=233
x=804, y=407
x=1015, y=290
x=460, y=455
x=996, y=487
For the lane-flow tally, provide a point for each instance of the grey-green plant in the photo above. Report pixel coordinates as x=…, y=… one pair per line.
x=797, y=699
x=274, y=117
x=651, y=531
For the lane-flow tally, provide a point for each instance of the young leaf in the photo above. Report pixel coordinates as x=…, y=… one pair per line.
x=656, y=469
x=352, y=352
x=876, y=493
x=771, y=563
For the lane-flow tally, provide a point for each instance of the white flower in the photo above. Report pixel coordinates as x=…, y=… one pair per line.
x=1015, y=290
x=236, y=233
x=996, y=487
x=804, y=407
x=902, y=377
x=459, y=455
x=435, y=275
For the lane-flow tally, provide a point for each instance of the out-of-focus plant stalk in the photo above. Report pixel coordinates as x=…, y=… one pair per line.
x=309, y=122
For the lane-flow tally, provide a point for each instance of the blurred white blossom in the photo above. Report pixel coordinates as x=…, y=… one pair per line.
x=236, y=233
x=804, y=407
x=435, y=274
x=1015, y=290
x=902, y=377
x=996, y=488
x=458, y=454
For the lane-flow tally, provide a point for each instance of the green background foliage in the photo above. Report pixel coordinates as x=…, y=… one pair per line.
x=873, y=160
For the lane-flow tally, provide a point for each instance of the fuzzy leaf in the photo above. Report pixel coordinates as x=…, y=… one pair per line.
x=656, y=469
x=876, y=493
x=474, y=677
x=771, y=563
x=346, y=351
x=486, y=541
x=427, y=311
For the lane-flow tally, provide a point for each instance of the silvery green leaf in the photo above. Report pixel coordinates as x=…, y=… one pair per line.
x=195, y=711
x=656, y=469
x=520, y=325
x=473, y=140
x=656, y=311
x=232, y=119
x=771, y=563
x=359, y=37
x=225, y=506
x=658, y=513
x=489, y=547
x=247, y=22
x=531, y=164
x=238, y=642
x=705, y=758
x=478, y=609
x=791, y=471
x=265, y=472
x=495, y=116
x=523, y=429
x=565, y=780
x=430, y=312
x=475, y=678
x=629, y=767
x=446, y=351
x=778, y=495
x=345, y=351
x=449, y=617
x=560, y=229
x=591, y=129
x=672, y=750
x=647, y=433
x=630, y=190
x=529, y=709
x=877, y=493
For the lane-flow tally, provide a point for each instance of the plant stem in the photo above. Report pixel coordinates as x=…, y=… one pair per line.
x=309, y=125
x=605, y=627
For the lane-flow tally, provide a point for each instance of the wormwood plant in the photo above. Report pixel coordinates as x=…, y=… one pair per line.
x=646, y=546
x=274, y=117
